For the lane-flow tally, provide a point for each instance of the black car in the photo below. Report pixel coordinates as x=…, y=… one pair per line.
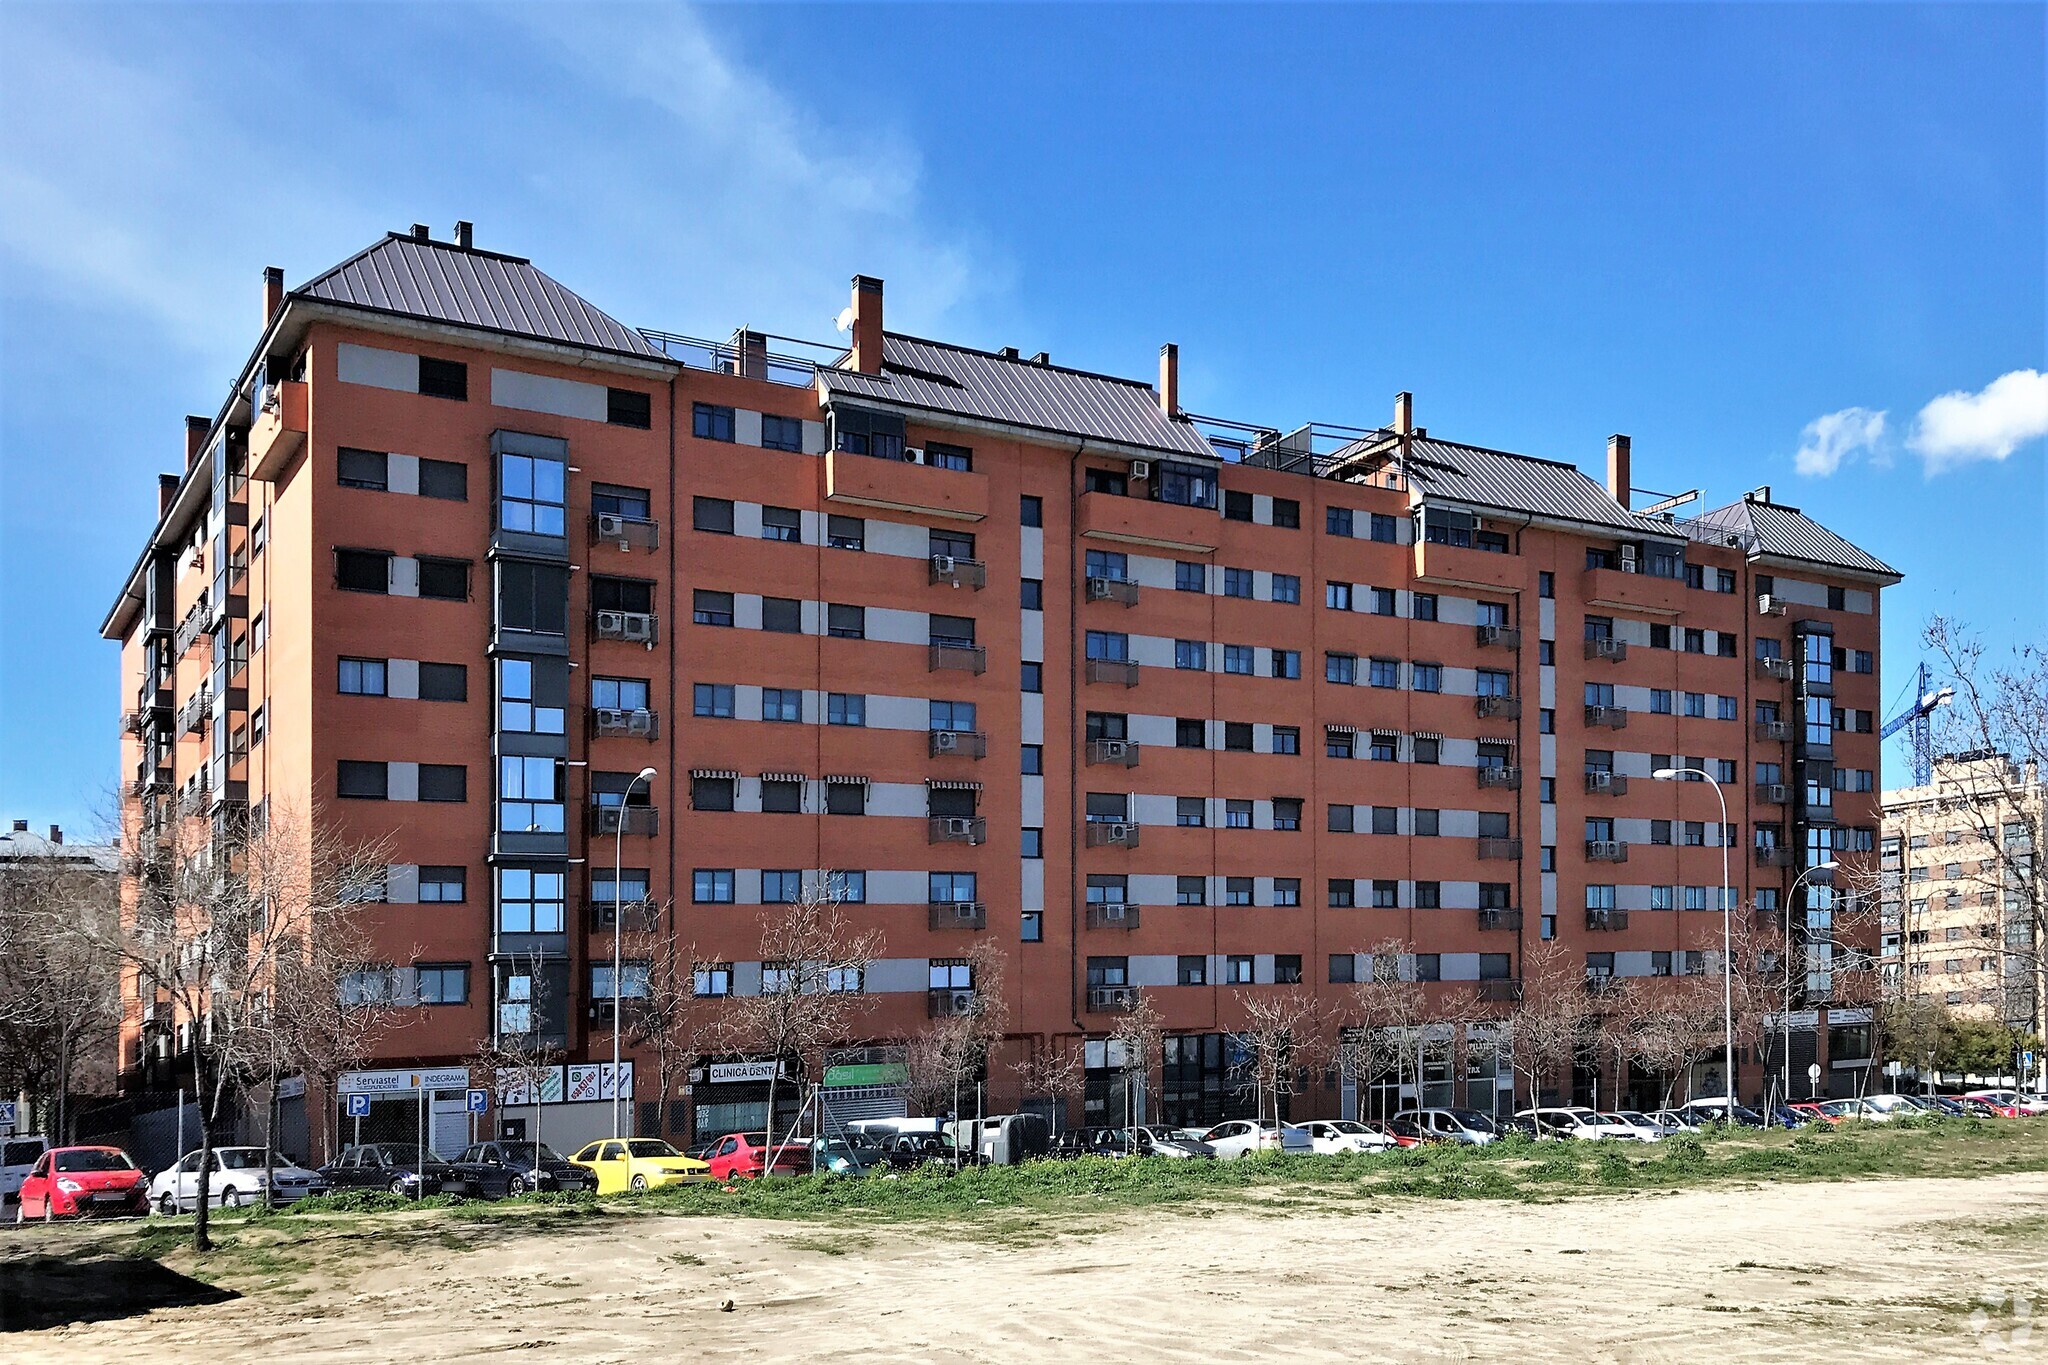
x=493, y=1170
x=399, y=1167
x=906, y=1151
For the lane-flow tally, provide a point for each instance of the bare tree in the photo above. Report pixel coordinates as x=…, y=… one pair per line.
x=1053, y=1071
x=669, y=1020
x=1138, y=1037
x=1386, y=1013
x=60, y=984
x=1549, y=1020
x=1280, y=1034
x=521, y=1061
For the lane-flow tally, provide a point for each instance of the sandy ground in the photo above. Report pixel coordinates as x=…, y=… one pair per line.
x=1877, y=1270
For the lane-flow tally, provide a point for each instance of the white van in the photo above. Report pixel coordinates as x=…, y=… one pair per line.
x=17, y=1156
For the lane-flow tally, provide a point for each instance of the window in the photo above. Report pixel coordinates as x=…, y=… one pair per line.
x=1287, y=891
x=1337, y=521
x=711, y=608
x=1429, y=895
x=1033, y=845
x=711, y=423
x=362, y=570
x=846, y=708
x=784, y=704
x=444, y=379
x=531, y=901
x=1287, y=514
x=1190, y=654
x=1422, y=607
x=529, y=795
x=1343, y=892
x=1660, y=701
x=443, y=983
x=1427, y=749
x=533, y=597
x=1237, y=814
x=1428, y=823
x=1660, y=831
x=1287, y=588
x=1237, y=582
x=781, y=433
x=361, y=781
x=1386, y=819
x=844, y=622
x=1189, y=577
x=1033, y=760
x=1192, y=970
x=1031, y=926
x=530, y=494
x=1286, y=812
x=1031, y=676
x=1287, y=969
x=1383, y=528
x=1340, y=668
x=1546, y=584
x=783, y=615
x=845, y=533
x=713, y=980
x=1190, y=812
x=1110, y=645
x=951, y=715
x=517, y=708
x=442, y=885
x=1237, y=736
x=1190, y=890
x=1429, y=967
x=846, y=798
x=362, y=677
x=940, y=455
x=1031, y=510
x=444, y=682
x=1237, y=506
x=1341, y=819
x=1386, y=894
x=362, y=469
x=1426, y=677
x=1546, y=652
x=1337, y=596
x=1696, y=705
x=1286, y=739
x=782, y=523
x=1237, y=970
x=1383, y=601
x=714, y=700
x=952, y=630
x=1384, y=749
x=779, y=796
x=1031, y=594
x=1238, y=659
x=1385, y=673
x=780, y=887
x=712, y=886
x=445, y=580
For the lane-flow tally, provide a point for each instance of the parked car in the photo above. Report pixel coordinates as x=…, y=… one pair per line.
x=621, y=1164
x=1234, y=1138
x=1408, y=1131
x=1004, y=1139
x=1811, y=1112
x=496, y=1170
x=1579, y=1123
x=1677, y=1120
x=1521, y=1124
x=1970, y=1108
x=1332, y=1137
x=1633, y=1126
x=1854, y=1107
x=748, y=1156
x=400, y=1167
x=838, y=1156
x=1894, y=1106
x=2008, y=1103
x=906, y=1151
x=79, y=1182
x=1651, y=1121
x=1467, y=1126
x=1145, y=1141
x=1945, y=1106
x=237, y=1178
x=1716, y=1110
x=18, y=1156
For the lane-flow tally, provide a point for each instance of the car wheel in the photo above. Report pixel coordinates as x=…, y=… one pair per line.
x=516, y=1185
x=167, y=1205
x=398, y=1188
x=639, y=1184
x=231, y=1198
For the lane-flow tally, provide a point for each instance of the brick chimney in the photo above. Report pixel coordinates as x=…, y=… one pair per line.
x=56, y=834
x=465, y=234
x=1404, y=412
x=422, y=233
x=1617, y=468
x=750, y=349
x=1169, y=380
x=273, y=292
x=195, y=438
x=867, y=324
x=166, y=492
x=21, y=826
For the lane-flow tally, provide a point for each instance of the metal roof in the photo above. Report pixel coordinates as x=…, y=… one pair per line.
x=1788, y=533
x=940, y=378
x=1517, y=483
x=441, y=282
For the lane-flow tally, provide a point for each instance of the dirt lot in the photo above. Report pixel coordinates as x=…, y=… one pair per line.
x=1886, y=1270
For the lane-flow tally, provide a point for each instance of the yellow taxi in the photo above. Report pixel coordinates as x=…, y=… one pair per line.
x=638, y=1164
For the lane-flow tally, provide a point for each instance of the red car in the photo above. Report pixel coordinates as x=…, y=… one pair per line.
x=744, y=1156
x=1404, y=1134
x=1814, y=1113
x=81, y=1181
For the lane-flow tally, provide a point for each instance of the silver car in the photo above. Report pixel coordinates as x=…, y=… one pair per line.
x=237, y=1178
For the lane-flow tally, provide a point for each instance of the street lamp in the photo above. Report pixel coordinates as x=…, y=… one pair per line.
x=1727, y=930
x=618, y=937
x=1785, y=1014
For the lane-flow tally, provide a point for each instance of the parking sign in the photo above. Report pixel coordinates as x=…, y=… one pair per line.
x=479, y=1101
x=358, y=1106
x=6, y=1113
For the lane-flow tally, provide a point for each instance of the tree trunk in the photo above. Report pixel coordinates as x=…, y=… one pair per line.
x=270, y=1137
x=64, y=1087
x=200, y=1240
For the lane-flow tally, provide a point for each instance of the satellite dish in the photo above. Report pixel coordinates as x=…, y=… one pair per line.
x=845, y=321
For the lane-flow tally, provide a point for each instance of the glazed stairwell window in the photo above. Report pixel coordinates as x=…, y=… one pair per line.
x=531, y=494
x=531, y=901
x=529, y=795
x=532, y=597
x=525, y=705
x=1187, y=485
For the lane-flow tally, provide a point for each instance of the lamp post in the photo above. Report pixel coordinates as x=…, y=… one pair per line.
x=1785, y=1014
x=1727, y=930
x=618, y=937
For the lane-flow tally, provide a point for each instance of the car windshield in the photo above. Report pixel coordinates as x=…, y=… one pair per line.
x=94, y=1159
x=838, y=1147
x=1347, y=1126
x=650, y=1147
x=248, y=1159
x=1474, y=1120
x=402, y=1153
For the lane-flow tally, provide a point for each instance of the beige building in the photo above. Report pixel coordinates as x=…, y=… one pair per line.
x=1962, y=889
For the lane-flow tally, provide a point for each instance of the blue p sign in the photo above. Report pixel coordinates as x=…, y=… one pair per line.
x=358, y=1106
x=479, y=1101
x=6, y=1113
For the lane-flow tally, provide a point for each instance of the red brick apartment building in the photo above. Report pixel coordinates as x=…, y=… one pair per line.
x=1021, y=653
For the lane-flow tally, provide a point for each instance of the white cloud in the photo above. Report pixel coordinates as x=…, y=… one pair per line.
x=1836, y=437
x=1990, y=424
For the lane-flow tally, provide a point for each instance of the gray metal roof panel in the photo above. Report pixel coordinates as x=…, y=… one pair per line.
x=980, y=384
x=1518, y=483
x=441, y=282
x=1776, y=529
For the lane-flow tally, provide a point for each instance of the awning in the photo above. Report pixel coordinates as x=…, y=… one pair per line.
x=846, y=779
x=951, y=785
x=715, y=773
x=1428, y=734
x=1342, y=729
x=1385, y=734
x=1496, y=743
x=783, y=777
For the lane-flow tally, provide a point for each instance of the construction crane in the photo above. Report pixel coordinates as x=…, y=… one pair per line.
x=1926, y=698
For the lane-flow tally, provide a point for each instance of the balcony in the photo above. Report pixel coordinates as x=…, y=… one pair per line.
x=1160, y=525
x=1776, y=855
x=1461, y=566
x=956, y=829
x=1774, y=731
x=1606, y=851
x=1767, y=605
x=627, y=533
x=1113, y=590
x=634, y=916
x=641, y=820
x=958, y=743
x=958, y=915
x=192, y=716
x=1601, y=983
x=633, y=627
x=153, y=782
x=1497, y=708
x=609, y=722
x=1499, y=776
x=1772, y=793
x=1112, y=915
x=1499, y=989
x=1499, y=637
x=1119, y=753
x=1111, y=999
x=1112, y=834
x=1633, y=592
x=1121, y=672
x=1614, y=651
x=959, y=658
x=955, y=572
x=279, y=429
x=1611, y=717
x=1776, y=670
x=191, y=628
x=944, y=1003
x=900, y=486
x=1606, y=921
x=1491, y=918
x=1606, y=784
x=1493, y=849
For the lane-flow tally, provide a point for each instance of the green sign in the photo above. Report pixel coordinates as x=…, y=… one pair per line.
x=872, y=1073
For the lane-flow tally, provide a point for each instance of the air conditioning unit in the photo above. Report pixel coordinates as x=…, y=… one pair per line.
x=640, y=722
x=1767, y=605
x=1119, y=834
x=613, y=622
x=1098, y=589
x=1141, y=469
x=943, y=565
x=945, y=741
x=960, y=825
x=1628, y=559
x=964, y=909
x=638, y=626
x=913, y=454
x=610, y=526
x=1110, y=911
x=1114, y=748
x=960, y=1002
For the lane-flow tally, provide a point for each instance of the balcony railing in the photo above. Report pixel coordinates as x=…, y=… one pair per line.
x=1500, y=775
x=958, y=915
x=1499, y=989
x=1122, y=590
x=956, y=829
x=1122, y=672
x=1121, y=753
x=1603, y=647
x=1767, y=605
x=607, y=722
x=960, y=658
x=961, y=743
x=944, y=1003
x=1612, y=717
x=634, y=627
x=955, y=572
x=1112, y=915
x=1501, y=708
x=625, y=820
x=1606, y=851
x=635, y=916
x=1602, y=921
x=628, y=533
x=1772, y=793
x=1606, y=784
x=192, y=716
x=1600, y=983
x=1496, y=848
x=1493, y=917
x=1111, y=999
x=1776, y=855
x=1112, y=834
x=1776, y=670
x=191, y=628
x=1502, y=637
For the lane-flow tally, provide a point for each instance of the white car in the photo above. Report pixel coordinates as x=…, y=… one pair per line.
x=18, y=1156
x=1891, y=1106
x=1234, y=1138
x=1577, y=1123
x=1467, y=1126
x=1635, y=1126
x=237, y=1178
x=1331, y=1137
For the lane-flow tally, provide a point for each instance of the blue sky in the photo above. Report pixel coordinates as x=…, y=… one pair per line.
x=1762, y=240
